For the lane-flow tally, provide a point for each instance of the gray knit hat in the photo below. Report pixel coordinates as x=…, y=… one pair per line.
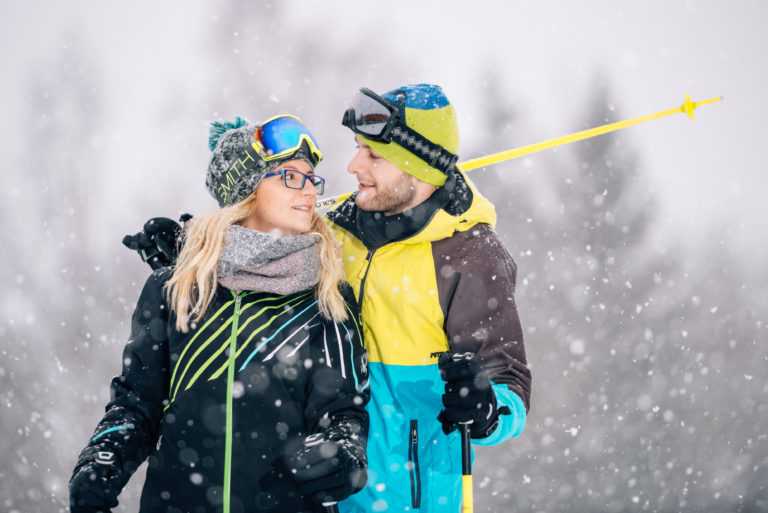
x=236, y=168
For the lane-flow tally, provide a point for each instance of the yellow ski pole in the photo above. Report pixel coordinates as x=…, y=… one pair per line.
x=687, y=107
x=467, y=503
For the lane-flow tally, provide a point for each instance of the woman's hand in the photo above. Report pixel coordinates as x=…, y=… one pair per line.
x=328, y=470
x=96, y=482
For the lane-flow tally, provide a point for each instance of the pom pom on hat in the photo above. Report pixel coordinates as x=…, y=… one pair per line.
x=218, y=128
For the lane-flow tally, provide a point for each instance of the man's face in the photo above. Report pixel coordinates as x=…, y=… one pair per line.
x=382, y=186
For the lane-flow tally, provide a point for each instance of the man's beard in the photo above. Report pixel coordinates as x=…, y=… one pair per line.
x=390, y=201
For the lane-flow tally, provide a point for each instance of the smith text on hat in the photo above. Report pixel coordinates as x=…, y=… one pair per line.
x=229, y=179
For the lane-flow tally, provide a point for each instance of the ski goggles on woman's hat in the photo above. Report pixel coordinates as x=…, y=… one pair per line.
x=283, y=135
x=378, y=119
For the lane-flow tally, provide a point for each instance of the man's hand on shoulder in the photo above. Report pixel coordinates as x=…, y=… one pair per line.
x=157, y=242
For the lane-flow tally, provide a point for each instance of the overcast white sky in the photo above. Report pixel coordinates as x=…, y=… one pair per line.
x=708, y=173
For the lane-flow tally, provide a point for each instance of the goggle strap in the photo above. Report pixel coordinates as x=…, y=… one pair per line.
x=256, y=145
x=437, y=156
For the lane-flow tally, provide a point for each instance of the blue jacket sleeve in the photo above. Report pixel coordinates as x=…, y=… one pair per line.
x=511, y=425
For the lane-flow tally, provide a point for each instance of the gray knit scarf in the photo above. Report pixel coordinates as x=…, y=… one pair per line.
x=253, y=260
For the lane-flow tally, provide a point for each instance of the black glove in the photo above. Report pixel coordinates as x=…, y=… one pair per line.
x=468, y=396
x=96, y=481
x=157, y=242
x=327, y=470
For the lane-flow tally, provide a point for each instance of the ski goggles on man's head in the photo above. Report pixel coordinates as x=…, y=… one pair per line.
x=372, y=116
x=281, y=136
x=376, y=118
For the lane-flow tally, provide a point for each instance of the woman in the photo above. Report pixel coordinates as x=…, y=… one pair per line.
x=245, y=350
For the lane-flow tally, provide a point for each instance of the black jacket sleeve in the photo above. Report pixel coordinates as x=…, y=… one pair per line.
x=338, y=384
x=476, y=286
x=131, y=423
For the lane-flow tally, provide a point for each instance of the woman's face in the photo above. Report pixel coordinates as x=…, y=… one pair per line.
x=280, y=210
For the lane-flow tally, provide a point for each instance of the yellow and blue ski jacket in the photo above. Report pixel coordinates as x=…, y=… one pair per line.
x=441, y=282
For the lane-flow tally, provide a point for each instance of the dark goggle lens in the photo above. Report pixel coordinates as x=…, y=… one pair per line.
x=284, y=134
x=370, y=116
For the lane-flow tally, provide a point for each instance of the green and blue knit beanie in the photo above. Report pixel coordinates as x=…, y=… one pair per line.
x=236, y=169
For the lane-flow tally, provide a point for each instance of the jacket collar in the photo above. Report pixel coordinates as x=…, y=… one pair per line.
x=456, y=206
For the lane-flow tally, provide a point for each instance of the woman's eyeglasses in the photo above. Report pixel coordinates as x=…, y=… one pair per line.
x=294, y=179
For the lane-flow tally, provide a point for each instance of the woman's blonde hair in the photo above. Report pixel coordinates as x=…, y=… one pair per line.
x=193, y=284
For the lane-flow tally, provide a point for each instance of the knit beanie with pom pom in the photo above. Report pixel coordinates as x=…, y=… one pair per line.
x=236, y=168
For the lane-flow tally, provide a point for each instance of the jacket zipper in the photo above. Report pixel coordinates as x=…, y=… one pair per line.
x=413, y=464
x=230, y=383
x=368, y=259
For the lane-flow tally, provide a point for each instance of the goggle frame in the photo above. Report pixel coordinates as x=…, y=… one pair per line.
x=305, y=136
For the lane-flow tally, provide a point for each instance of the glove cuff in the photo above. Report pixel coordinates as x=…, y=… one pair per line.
x=485, y=433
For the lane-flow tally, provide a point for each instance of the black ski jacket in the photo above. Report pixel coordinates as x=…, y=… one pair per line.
x=291, y=372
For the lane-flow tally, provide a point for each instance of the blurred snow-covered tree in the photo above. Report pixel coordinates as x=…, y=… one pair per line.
x=624, y=354
x=62, y=308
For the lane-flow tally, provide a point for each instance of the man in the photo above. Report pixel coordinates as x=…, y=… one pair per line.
x=432, y=280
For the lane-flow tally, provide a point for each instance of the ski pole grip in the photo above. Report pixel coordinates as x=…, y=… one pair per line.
x=466, y=449
x=331, y=507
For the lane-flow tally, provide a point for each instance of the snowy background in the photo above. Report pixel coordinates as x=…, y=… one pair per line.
x=642, y=255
